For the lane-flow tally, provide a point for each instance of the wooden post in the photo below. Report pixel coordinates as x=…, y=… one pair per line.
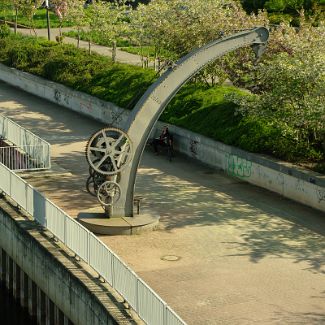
x=114, y=52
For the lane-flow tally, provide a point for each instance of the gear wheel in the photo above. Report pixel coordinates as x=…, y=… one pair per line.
x=93, y=182
x=108, y=193
x=108, y=151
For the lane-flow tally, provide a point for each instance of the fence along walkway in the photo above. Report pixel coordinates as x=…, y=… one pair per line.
x=28, y=152
x=149, y=306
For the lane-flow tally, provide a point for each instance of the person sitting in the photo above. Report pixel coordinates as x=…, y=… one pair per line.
x=165, y=139
x=88, y=3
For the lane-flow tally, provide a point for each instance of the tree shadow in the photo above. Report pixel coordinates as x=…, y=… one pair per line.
x=192, y=195
x=270, y=225
x=310, y=318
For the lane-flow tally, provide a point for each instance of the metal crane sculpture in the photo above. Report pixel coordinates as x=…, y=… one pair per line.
x=114, y=154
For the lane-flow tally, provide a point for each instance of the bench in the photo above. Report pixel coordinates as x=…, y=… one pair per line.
x=166, y=146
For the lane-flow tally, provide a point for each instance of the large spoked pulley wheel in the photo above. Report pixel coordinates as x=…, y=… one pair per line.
x=108, y=151
x=108, y=193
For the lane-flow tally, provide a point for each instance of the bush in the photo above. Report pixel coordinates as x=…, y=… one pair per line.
x=97, y=38
x=4, y=31
x=75, y=68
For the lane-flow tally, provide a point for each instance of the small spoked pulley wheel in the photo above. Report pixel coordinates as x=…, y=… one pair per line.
x=93, y=182
x=109, y=151
x=108, y=193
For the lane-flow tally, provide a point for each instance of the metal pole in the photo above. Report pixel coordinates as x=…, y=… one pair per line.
x=16, y=20
x=114, y=51
x=48, y=20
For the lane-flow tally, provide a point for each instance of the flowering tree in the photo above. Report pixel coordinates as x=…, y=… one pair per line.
x=17, y=4
x=180, y=27
x=60, y=8
x=150, y=25
x=109, y=20
x=28, y=8
x=290, y=89
x=77, y=13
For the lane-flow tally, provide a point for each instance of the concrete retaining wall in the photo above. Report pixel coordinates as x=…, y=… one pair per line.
x=297, y=184
x=49, y=282
x=77, y=101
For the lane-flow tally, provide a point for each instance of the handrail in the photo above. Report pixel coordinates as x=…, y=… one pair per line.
x=149, y=306
x=26, y=141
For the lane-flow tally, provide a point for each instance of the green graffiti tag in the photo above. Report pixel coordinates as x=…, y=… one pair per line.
x=238, y=167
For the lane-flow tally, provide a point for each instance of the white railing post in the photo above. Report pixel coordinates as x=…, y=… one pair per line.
x=65, y=230
x=136, y=307
x=113, y=271
x=88, y=248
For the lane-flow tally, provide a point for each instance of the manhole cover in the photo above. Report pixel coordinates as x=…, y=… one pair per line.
x=171, y=258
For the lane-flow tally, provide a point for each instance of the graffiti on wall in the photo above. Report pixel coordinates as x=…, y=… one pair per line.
x=320, y=195
x=237, y=166
x=280, y=180
x=86, y=106
x=57, y=95
x=300, y=186
x=60, y=98
x=116, y=117
x=193, y=147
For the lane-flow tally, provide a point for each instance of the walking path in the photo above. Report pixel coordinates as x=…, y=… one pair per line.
x=226, y=252
x=121, y=56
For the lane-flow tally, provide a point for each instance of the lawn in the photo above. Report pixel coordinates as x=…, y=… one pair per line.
x=39, y=20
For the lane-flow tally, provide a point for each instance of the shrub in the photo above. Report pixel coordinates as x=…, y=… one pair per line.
x=4, y=30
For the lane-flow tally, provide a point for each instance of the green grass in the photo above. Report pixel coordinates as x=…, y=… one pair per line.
x=147, y=51
x=96, y=38
x=75, y=68
x=39, y=19
x=124, y=44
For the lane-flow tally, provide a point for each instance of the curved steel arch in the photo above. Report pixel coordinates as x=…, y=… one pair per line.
x=151, y=105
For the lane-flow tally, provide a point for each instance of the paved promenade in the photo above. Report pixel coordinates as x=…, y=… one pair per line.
x=226, y=252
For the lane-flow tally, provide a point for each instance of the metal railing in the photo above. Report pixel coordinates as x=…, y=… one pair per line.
x=25, y=158
x=149, y=306
x=35, y=149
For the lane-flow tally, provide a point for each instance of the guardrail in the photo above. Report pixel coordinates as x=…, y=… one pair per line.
x=25, y=158
x=35, y=148
x=149, y=306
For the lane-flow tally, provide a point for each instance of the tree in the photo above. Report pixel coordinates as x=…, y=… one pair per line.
x=60, y=8
x=180, y=27
x=77, y=13
x=109, y=20
x=287, y=10
x=27, y=8
x=290, y=93
x=18, y=5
